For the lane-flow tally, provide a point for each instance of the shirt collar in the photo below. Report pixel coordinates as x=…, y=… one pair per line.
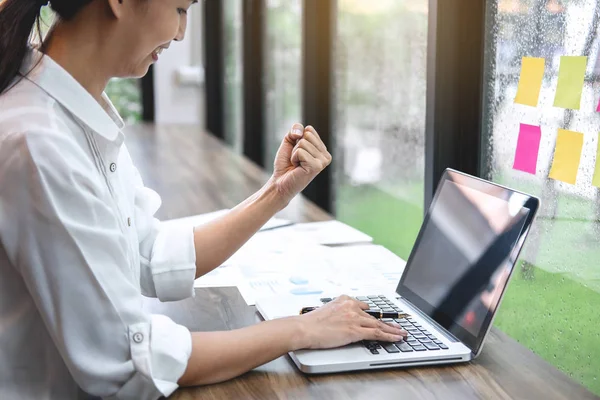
x=60, y=85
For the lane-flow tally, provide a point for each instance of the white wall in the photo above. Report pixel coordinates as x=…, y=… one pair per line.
x=175, y=103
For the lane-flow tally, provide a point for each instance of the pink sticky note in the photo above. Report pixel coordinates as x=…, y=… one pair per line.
x=528, y=147
x=598, y=108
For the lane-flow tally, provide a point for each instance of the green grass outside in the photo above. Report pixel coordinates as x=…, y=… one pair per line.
x=553, y=314
x=392, y=222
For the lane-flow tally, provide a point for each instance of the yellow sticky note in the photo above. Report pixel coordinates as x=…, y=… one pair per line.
x=596, y=179
x=567, y=156
x=571, y=75
x=530, y=82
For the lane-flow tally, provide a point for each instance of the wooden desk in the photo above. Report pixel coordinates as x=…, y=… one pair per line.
x=195, y=173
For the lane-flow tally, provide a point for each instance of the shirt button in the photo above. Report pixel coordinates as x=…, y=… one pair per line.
x=128, y=221
x=113, y=167
x=138, y=337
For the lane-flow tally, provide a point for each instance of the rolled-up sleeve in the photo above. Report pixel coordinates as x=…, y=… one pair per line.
x=67, y=244
x=167, y=252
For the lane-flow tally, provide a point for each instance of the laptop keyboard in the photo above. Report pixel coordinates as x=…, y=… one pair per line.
x=418, y=339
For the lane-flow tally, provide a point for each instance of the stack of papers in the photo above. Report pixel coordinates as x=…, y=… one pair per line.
x=328, y=233
x=301, y=259
x=353, y=270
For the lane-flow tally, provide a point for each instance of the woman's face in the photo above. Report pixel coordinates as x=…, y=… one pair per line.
x=146, y=28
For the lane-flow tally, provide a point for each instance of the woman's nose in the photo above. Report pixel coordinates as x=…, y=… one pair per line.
x=181, y=32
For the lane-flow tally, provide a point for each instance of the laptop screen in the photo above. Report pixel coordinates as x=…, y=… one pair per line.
x=465, y=253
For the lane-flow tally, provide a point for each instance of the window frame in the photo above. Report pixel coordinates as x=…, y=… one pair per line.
x=455, y=91
x=455, y=68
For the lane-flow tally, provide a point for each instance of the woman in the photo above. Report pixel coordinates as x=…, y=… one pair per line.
x=79, y=243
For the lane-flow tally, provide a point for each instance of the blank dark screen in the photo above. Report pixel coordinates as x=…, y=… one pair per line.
x=463, y=259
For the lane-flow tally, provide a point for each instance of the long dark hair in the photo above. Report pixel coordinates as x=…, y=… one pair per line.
x=17, y=21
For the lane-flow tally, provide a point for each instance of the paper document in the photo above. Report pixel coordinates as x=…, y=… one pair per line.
x=223, y=276
x=275, y=254
x=201, y=219
x=279, y=245
x=271, y=251
x=329, y=233
x=353, y=270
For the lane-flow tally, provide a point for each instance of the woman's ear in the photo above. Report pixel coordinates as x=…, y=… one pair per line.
x=116, y=7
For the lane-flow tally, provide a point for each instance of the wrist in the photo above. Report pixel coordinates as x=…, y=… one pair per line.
x=300, y=338
x=272, y=192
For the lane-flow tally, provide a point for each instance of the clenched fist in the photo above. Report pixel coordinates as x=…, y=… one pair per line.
x=301, y=156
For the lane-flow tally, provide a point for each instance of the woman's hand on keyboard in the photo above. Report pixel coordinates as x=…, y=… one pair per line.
x=342, y=322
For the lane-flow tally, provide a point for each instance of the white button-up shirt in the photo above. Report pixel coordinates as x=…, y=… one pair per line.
x=79, y=246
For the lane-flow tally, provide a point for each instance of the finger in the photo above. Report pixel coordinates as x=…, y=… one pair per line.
x=395, y=329
x=289, y=141
x=366, y=322
x=369, y=322
x=353, y=302
x=302, y=158
x=341, y=298
x=300, y=155
x=379, y=335
x=363, y=305
x=315, y=140
x=312, y=130
x=311, y=134
x=312, y=150
x=296, y=132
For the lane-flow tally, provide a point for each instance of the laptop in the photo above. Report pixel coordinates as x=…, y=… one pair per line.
x=451, y=287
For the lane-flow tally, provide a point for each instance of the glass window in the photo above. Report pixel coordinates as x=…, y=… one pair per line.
x=47, y=19
x=233, y=54
x=126, y=95
x=283, y=66
x=380, y=73
x=552, y=303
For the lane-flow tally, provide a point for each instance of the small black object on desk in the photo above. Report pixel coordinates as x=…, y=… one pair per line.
x=373, y=313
